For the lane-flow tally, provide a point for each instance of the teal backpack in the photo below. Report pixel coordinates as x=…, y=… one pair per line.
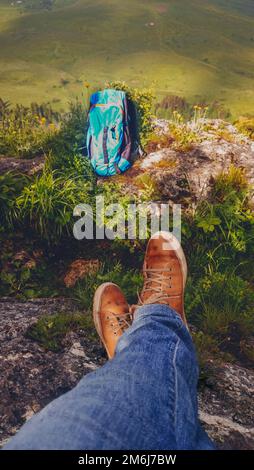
x=108, y=137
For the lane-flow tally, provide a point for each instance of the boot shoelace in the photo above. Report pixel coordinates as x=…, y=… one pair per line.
x=119, y=322
x=157, y=277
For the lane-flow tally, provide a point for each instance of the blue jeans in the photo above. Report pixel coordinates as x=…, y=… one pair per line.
x=143, y=399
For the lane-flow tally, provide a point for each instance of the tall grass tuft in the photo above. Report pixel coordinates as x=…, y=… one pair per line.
x=11, y=185
x=47, y=203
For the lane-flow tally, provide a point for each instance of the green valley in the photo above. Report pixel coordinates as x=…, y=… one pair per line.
x=198, y=49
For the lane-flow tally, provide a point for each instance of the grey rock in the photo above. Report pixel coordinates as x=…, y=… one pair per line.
x=189, y=174
x=31, y=377
x=227, y=407
x=25, y=166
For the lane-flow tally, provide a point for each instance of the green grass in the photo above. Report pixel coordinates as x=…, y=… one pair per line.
x=10, y=187
x=50, y=330
x=47, y=203
x=200, y=49
x=129, y=280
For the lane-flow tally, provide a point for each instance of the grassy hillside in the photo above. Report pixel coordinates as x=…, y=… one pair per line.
x=200, y=49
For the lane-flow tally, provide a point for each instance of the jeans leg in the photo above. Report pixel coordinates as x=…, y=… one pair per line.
x=145, y=398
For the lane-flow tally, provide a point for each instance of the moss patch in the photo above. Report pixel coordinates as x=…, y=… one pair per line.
x=51, y=330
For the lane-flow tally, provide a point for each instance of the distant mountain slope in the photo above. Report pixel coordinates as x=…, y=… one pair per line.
x=195, y=48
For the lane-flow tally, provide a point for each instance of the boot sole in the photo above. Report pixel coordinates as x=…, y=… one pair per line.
x=176, y=247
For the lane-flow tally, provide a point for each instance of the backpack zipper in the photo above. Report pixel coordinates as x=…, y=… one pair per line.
x=105, y=149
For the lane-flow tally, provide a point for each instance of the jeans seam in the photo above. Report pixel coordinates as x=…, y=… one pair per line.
x=176, y=388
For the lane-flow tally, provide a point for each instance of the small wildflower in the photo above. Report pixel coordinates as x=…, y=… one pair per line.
x=30, y=264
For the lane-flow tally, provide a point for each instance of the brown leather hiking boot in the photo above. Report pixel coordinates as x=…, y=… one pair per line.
x=111, y=315
x=165, y=273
